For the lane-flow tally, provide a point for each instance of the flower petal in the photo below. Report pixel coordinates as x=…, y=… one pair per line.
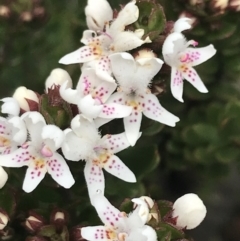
x=117, y=168
x=101, y=121
x=3, y=177
x=68, y=94
x=153, y=110
x=149, y=232
x=97, y=14
x=116, y=143
x=192, y=77
x=59, y=170
x=113, y=111
x=108, y=214
x=196, y=56
x=10, y=106
x=34, y=176
x=80, y=55
x=103, y=69
x=88, y=107
x=177, y=84
x=94, y=178
x=95, y=233
x=182, y=24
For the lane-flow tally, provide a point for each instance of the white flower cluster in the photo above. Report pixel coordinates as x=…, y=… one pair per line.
x=27, y=140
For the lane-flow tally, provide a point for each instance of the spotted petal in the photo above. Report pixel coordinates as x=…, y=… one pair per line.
x=196, y=56
x=177, y=84
x=132, y=125
x=34, y=175
x=192, y=77
x=103, y=69
x=95, y=233
x=59, y=170
x=117, y=168
x=116, y=143
x=113, y=111
x=153, y=110
x=108, y=214
x=94, y=178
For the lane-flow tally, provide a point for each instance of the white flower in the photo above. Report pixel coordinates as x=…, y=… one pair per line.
x=112, y=39
x=189, y=211
x=117, y=225
x=3, y=177
x=91, y=94
x=182, y=58
x=24, y=96
x=57, y=77
x=3, y=220
x=40, y=154
x=83, y=142
x=133, y=78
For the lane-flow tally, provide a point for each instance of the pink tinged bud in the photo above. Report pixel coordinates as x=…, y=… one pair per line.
x=59, y=218
x=56, y=78
x=189, y=211
x=3, y=220
x=27, y=99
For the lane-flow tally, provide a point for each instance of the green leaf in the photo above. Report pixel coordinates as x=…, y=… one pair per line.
x=166, y=232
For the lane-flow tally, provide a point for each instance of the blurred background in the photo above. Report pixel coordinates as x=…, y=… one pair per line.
x=200, y=155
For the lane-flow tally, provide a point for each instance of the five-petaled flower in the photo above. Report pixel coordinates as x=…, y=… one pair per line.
x=182, y=58
x=39, y=153
x=83, y=142
x=110, y=38
x=133, y=78
x=118, y=225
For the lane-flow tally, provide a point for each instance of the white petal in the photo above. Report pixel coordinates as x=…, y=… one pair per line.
x=97, y=14
x=123, y=68
x=153, y=110
x=117, y=168
x=128, y=15
x=68, y=94
x=116, y=143
x=150, y=233
x=33, y=177
x=59, y=170
x=108, y=214
x=196, y=56
x=10, y=106
x=142, y=209
x=88, y=107
x=192, y=77
x=132, y=125
x=94, y=178
x=21, y=94
x=101, y=121
x=80, y=55
x=3, y=177
x=52, y=136
x=113, y=111
x=177, y=84
x=182, y=24
x=75, y=148
x=58, y=76
x=95, y=233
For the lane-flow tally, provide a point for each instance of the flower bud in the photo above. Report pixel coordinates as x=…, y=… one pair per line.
x=4, y=11
x=27, y=99
x=189, y=211
x=3, y=177
x=235, y=5
x=219, y=5
x=144, y=54
x=34, y=222
x=59, y=218
x=56, y=78
x=3, y=219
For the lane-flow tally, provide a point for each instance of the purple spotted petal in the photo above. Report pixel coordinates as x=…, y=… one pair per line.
x=153, y=110
x=59, y=170
x=96, y=233
x=117, y=168
x=132, y=125
x=113, y=110
x=177, y=84
x=116, y=143
x=103, y=69
x=94, y=178
x=192, y=77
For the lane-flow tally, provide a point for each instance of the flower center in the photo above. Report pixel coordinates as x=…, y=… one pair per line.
x=4, y=142
x=39, y=163
x=102, y=157
x=111, y=234
x=96, y=47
